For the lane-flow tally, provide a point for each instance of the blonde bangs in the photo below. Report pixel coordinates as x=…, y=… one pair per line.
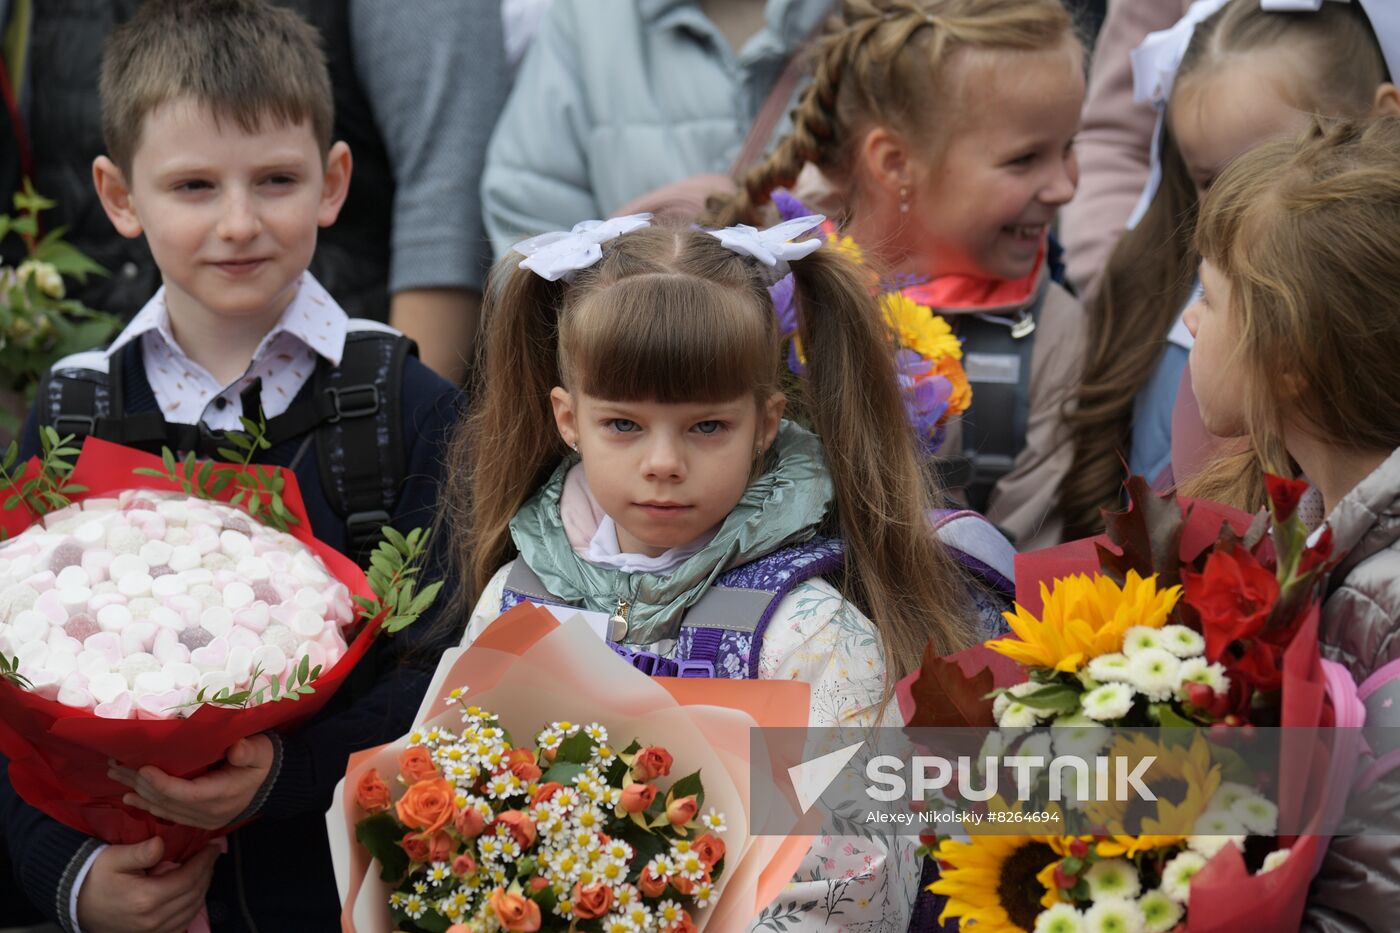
x=668, y=338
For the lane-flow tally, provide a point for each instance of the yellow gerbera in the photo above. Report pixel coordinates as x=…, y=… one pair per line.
x=846, y=245
x=991, y=881
x=1084, y=617
x=919, y=329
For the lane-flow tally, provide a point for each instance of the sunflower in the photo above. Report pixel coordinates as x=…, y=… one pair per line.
x=991, y=881
x=1183, y=779
x=919, y=329
x=1083, y=618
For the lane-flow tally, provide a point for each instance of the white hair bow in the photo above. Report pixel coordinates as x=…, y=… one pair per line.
x=558, y=254
x=1157, y=60
x=773, y=247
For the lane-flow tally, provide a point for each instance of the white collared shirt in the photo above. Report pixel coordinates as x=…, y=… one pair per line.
x=313, y=325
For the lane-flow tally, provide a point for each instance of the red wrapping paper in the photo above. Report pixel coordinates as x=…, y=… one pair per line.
x=58, y=754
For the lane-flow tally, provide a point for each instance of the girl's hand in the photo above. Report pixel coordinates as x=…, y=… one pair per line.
x=207, y=802
x=120, y=895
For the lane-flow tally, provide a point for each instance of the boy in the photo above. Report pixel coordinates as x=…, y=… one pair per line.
x=217, y=117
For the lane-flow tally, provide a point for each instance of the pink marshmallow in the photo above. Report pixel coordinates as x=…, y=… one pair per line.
x=119, y=708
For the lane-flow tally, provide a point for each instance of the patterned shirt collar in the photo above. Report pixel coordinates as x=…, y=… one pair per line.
x=313, y=325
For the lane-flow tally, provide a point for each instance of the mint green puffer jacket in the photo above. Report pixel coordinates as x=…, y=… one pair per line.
x=616, y=98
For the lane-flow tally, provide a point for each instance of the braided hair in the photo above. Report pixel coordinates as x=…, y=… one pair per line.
x=874, y=66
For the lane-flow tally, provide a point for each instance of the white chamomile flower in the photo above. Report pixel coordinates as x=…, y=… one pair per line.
x=438, y=872
x=565, y=727
x=612, y=871
x=595, y=732
x=415, y=737
x=1114, y=916
x=1113, y=877
x=619, y=850
x=1177, y=875
x=589, y=819
x=565, y=799
x=1018, y=715
x=616, y=923
x=1107, y=701
x=434, y=736
x=1201, y=671
x=604, y=754
x=502, y=786
x=1153, y=672
x=396, y=899
x=668, y=912
x=713, y=820
x=661, y=866
x=415, y=906
x=1274, y=860
x=1182, y=641
x=420, y=887
x=1159, y=912
x=1140, y=638
x=454, y=695
x=704, y=893
x=549, y=739
x=625, y=895
x=1061, y=918
x=1109, y=668
x=689, y=865
x=1256, y=814
x=639, y=914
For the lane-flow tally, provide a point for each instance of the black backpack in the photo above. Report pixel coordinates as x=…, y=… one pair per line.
x=353, y=412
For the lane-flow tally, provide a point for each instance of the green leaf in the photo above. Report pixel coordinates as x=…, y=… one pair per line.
x=380, y=835
x=563, y=772
x=1059, y=698
x=396, y=539
x=232, y=456
x=167, y=456
x=576, y=748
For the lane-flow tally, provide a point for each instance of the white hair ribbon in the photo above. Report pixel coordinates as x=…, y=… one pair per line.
x=1157, y=60
x=558, y=254
x=774, y=246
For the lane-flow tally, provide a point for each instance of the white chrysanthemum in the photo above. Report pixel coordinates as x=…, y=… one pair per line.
x=1113, y=877
x=704, y=893
x=438, y=872
x=1141, y=638
x=1018, y=715
x=615, y=923
x=503, y=785
x=661, y=866
x=1257, y=815
x=549, y=739
x=565, y=799
x=1212, y=830
x=1201, y=671
x=1182, y=641
x=1153, y=673
x=1114, y=916
x=1062, y=918
x=1177, y=875
x=596, y=732
x=1108, y=701
x=1274, y=860
x=625, y=895
x=689, y=865
x=1227, y=795
x=1109, y=668
x=1078, y=735
x=713, y=820
x=1159, y=912
x=415, y=906
x=668, y=912
x=999, y=704
x=604, y=754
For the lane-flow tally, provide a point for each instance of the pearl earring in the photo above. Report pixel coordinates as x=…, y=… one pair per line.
x=904, y=199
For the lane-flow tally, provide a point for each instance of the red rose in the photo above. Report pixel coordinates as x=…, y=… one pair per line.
x=592, y=901
x=1233, y=595
x=637, y=797
x=1284, y=494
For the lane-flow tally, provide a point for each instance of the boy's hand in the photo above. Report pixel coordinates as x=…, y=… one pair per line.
x=207, y=802
x=120, y=896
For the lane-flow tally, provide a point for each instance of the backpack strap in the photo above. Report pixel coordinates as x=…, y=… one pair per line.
x=354, y=409
x=997, y=356
x=359, y=435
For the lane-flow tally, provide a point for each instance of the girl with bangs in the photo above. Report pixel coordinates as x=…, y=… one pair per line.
x=1296, y=338
x=1232, y=74
x=629, y=455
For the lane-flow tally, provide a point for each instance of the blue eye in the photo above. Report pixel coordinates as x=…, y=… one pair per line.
x=709, y=427
x=623, y=425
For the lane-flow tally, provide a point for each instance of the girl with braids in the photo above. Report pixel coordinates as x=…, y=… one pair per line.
x=944, y=129
x=1296, y=337
x=1228, y=77
x=628, y=455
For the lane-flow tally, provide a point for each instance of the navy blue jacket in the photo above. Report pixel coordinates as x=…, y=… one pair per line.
x=277, y=874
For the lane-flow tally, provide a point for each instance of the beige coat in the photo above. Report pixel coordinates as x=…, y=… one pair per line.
x=1115, y=141
x=1024, y=502
x=1358, y=886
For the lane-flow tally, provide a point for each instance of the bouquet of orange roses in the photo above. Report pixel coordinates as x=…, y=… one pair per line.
x=566, y=832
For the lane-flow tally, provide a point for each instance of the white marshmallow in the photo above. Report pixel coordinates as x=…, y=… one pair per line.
x=90, y=533
x=106, y=687
x=253, y=568
x=71, y=577
x=150, y=682
x=126, y=564
x=134, y=584
x=216, y=620
x=171, y=584
x=113, y=617
x=307, y=624
x=237, y=595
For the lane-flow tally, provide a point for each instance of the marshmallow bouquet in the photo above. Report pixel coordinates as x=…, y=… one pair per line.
x=137, y=604
x=131, y=611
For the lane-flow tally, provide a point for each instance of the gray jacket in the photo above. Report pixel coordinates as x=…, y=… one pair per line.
x=616, y=98
x=1358, y=886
